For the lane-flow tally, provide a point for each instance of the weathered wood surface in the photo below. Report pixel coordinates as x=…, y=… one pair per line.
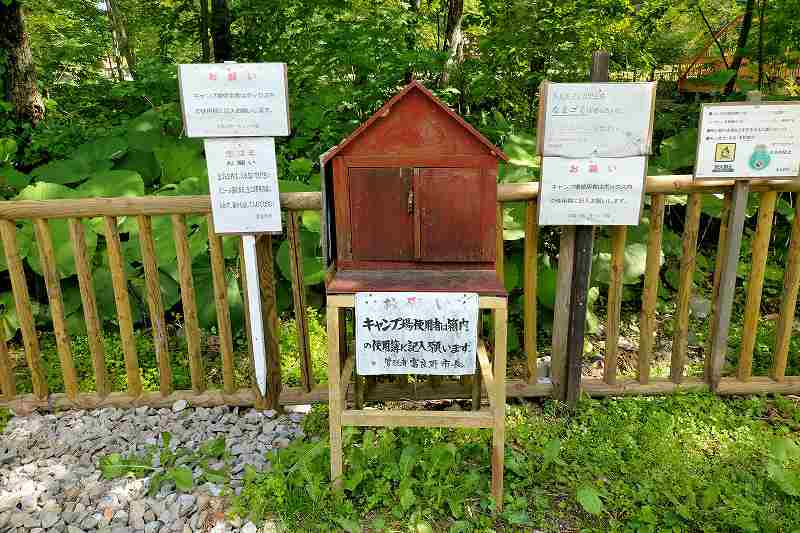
x=680, y=340
x=791, y=284
x=299, y=299
x=269, y=315
x=647, y=320
x=558, y=359
x=224, y=329
x=618, y=237
x=455, y=419
x=8, y=384
x=530, y=273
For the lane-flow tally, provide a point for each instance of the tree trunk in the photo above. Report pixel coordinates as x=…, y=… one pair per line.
x=453, y=39
x=411, y=36
x=204, y=31
x=20, y=77
x=119, y=29
x=762, y=7
x=747, y=22
x=221, y=30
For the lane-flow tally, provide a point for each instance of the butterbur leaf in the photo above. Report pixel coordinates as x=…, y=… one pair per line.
x=407, y=498
x=313, y=270
x=103, y=148
x=112, y=183
x=182, y=476
x=550, y=452
x=589, y=499
x=43, y=190
x=8, y=149
x=69, y=170
x=13, y=178
x=352, y=481
x=782, y=449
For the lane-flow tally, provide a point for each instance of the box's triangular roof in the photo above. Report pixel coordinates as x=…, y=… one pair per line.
x=384, y=111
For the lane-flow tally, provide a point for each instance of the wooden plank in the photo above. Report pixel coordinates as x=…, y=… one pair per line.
x=224, y=330
x=22, y=303
x=335, y=404
x=791, y=284
x=727, y=282
x=497, y=395
x=581, y=269
x=155, y=304
x=427, y=419
x=485, y=366
x=299, y=299
x=680, y=340
x=7, y=382
x=91, y=317
x=647, y=322
x=529, y=284
x=347, y=373
x=499, y=250
x=135, y=206
x=476, y=390
x=724, y=217
x=52, y=281
x=558, y=359
x=618, y=237
x=269, y=315
x=119, y=280
x=191, y=324
x=759, y=248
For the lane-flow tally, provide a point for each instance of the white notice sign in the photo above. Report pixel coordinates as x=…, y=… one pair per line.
x=234, y=99
x=598, y=191
x=416, y=333
x=243, y=179
x=749, y=141
x=596, y=119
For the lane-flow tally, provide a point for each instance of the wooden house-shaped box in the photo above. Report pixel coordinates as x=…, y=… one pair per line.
x=410, y=202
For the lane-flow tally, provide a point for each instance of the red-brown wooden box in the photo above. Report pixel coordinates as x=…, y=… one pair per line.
x=410, y=202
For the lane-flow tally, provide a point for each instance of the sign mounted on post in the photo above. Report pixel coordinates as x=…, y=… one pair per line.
x=594, y=139
x=416, y=333
x=243, y=179
x=745, y=141
x=234, y=99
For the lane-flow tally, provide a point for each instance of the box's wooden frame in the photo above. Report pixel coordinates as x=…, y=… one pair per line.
x=340, y=370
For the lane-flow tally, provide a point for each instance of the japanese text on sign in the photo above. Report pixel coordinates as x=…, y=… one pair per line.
x=416, y=333
x=598, y=191
x=234, y=99
x=596, y=119
x=243, y=180
x=749, y=141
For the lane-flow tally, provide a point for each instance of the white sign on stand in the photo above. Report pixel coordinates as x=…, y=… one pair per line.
x=592, y=192
x=243, y=179
x=745, y=141
x=594, y=139
x=416, y=333
x=227, y=100
x=234, y=99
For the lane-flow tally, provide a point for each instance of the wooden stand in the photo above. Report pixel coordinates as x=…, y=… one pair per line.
x=340, y=370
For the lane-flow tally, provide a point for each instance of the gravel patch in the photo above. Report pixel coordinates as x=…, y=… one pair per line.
x=50, y=479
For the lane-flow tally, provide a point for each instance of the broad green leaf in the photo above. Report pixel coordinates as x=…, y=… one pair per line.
x=180, y=159
x=590, y=500
x=143, y=163
x=182, y=476
x=9, y=324
x=550, y=452
x=68, y=171
x=349, y=525
x=24, y=243
x=312, y=221
x=112, y=183
x=144, y=132
x=678, y=151
x=512, y=271
x=546, y=287
x=45, y=191
x=313, y=270
x=12, y=177
x=100, y=149
x=634, y=264
x=204, y=289
x=62, y=245
x=407, y=498
x=8, y=149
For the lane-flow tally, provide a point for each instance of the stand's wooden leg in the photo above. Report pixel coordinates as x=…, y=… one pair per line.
x=334, y=394
x=499, y=406
x=476, y=389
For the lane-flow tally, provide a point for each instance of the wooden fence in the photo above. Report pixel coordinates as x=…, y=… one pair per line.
x=658, y=187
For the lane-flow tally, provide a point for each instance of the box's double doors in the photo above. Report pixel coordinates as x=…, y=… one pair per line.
x=422, y=214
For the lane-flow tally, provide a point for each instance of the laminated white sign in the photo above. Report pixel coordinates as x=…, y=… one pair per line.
x=595, y=191
x=432, y=333
x=579, y=120
x=739, y=140
x=243, y=179
x=234, y=99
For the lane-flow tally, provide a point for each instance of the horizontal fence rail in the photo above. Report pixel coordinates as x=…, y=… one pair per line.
x=531, y=384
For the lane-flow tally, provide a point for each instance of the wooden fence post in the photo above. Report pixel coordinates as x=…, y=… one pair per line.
x=269, y=313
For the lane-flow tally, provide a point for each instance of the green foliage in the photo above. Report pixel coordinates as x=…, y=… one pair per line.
x=688, y=462
x=5, y=416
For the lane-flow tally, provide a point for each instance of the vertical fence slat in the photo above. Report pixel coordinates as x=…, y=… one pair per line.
x=299, y=298
x=22, y=302
x=119, y=281
x=618, y=236
x=47, y=261
x=718, y=262
x=7, y=383
x=89, y=303
x=680, y=340
x=155, y=304
x=531, y=262
x=188, y=303
x=269, y=314
x=752, y=309
x=260, y=402
x=647, y=323
x=558, y=359
x=791, y=283
x=221, y=304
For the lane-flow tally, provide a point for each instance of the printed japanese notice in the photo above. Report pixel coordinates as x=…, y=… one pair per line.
x=234, y=99
x=579, y=120
x=749, y=141
x=416, y=333
x=243, y=179
x=595, y=191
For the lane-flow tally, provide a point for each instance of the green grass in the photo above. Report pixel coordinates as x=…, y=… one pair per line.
x=688, y=462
